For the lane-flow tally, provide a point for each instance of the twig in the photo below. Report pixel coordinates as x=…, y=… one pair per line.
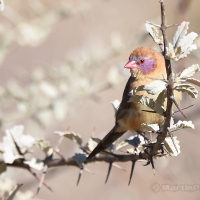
x=174, y=101
x=170, y=26
x=163, y=135
x=183, y=108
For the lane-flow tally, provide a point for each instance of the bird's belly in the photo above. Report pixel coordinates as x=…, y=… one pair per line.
x=136, y=116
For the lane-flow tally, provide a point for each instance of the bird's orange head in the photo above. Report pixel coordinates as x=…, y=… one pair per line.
x=146, y=62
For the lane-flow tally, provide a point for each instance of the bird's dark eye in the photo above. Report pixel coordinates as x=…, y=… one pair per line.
x=142, y=61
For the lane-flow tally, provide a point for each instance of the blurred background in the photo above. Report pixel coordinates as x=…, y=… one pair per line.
x=61, y=64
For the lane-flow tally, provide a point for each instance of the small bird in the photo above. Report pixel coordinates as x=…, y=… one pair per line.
x=145, y=64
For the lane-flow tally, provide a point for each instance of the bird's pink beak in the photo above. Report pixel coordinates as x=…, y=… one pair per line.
x=130, y=64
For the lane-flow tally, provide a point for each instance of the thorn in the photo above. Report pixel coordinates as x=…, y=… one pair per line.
x=17, y=147
x=131, y=174
x=174, y=101
x=184, y=108
x=42, y=178
x=109, y=170
x=170, y=26
x=35, y=175
x=57, y=152
x=59, y=143
x=60, y=140
x=187, y=107
x=79, y=176
x=152, y=164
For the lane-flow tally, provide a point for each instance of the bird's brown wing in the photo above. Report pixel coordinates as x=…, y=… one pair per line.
x=117, y=130
x=125, y=105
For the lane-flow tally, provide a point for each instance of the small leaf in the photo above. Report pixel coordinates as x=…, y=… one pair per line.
x=187, y=45
x=154, y=33
x=131, y=151
x=79, y=158
x=190, y=71
x=115, y=104
x=92, y=143
x=170, y=54
x=136, y=141
x=35, y=164
x=155, y=87
x=143, y=100
x=44, y=146
x=180, y=33
x=184, y=54
x=182, y=124
x=169, y=145
x=70, y=135
x=23, y=142
x=190, y=89
x=159, y=103
x=150, y=127
x=182, y=43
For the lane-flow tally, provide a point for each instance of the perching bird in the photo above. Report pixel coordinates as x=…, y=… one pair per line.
x=145, y=64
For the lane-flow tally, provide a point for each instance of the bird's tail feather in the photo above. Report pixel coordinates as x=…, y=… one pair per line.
x=113, y=135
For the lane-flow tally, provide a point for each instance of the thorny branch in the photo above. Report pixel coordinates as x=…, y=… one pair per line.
x=163, y=135
x=71, y=162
